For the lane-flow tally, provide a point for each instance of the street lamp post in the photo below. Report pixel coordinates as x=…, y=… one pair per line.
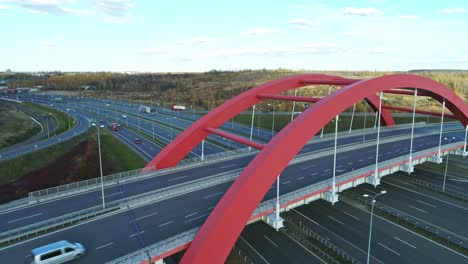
x=446, y=164
x=100, y=165
x=273, y=123
x=372, y=215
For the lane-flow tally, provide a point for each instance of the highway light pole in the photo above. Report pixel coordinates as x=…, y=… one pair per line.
x=441, y=128
x=203, y=150
x=321, y=133
x=294, y=106
x=334, y=158
x=446, y=164
x=352, y=119
x=410, y=163
x=371, y=217
x=273, y=123
x=376, y=171
x=251, y=125
x=365, y=121
x=100, y=165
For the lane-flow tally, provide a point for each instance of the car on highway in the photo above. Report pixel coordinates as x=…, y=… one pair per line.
x=58, y=252
x=137, y=141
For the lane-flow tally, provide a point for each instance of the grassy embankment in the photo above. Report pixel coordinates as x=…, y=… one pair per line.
x=16, y=126
x=60, y=119
x=116, y=157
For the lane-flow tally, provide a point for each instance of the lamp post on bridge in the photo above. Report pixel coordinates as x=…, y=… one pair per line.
x=446, y=163
x=100, y=165
x=251, y=125
x=371, y=217
x=273, y=123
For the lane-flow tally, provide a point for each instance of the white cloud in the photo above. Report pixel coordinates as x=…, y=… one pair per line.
x=303, y=24
x=48, y=44
x=197, y=40
x=410, y=17
x=259, y=31
x=379, y=50
x=368, y=11
x=152, y=51
x=451, y=11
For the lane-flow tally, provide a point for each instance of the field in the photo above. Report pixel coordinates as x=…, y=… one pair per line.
x=16, y=126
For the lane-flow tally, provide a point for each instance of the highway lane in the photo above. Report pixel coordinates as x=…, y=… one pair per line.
x=187, y=211
x=344, y=164
x=423, y=206
x=275, y=247
x=390, y=243
x=454, y=181
x=70, y=204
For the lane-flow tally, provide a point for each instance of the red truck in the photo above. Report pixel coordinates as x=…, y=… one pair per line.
x=114, y=126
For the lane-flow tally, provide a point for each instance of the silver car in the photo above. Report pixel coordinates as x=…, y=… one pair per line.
x=58, y=252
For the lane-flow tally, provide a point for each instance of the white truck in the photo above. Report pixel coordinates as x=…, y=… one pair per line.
x=144, y=109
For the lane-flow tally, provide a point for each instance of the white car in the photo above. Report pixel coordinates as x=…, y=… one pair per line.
x=58, y=252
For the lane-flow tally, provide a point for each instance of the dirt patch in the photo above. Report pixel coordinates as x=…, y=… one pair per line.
x=81, y=163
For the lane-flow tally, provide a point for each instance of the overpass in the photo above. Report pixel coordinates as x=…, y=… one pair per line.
x=155, y=224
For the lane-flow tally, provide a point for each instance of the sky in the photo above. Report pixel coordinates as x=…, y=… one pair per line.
x=202, y=35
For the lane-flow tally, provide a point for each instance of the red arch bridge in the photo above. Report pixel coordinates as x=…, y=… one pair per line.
x=203, y=207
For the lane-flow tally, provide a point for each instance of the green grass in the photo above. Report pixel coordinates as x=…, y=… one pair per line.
x=59, y=118
x=16, y=126
x=122, y=157
x=11, y=170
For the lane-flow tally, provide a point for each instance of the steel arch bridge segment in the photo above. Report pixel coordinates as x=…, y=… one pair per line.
x=173, y=153
x=224, y=225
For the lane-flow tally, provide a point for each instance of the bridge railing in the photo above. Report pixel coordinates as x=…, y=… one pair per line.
x=157, y=249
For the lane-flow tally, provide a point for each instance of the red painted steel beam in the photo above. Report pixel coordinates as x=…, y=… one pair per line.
x=288, y=98
x=409, y=110
x=176, y=150
x=225, y=223
x=235, y=138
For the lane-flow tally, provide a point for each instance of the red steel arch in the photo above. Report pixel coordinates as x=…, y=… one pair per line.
x=173, y=153
x=220, y=231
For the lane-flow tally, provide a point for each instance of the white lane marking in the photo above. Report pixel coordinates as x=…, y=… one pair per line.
x=370, y=151
x=338, y=221
x=165, y=223
x=404, y=242
x=315, y=173
x=22, y=218
x=360, y=160
x=212, y=207
x=136, y=234
x=286, y=182
x=308, y=250
x=117, y=193
x=416, y=234
x=418, y=209
x=211, y=195
x=300, y=178
x=191, y=214
x=174, y=179
x=351, y=215
x=370, y=158
x=456, y=187
x=270, y=241
x=198, y=217
x=327, y=170
x=308, y=167
x=227, y=166
x=103, y=246
x=142, y=217
x=388, y=248
x=243, y=239
x=349, y=163
x=342, y=158
x=428, y=196
x=431, y=205
x=339, y=166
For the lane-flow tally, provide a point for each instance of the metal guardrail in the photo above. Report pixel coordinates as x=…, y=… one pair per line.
x=158, y=248
x=326, y=242
x=433, y=229
x=14, y=235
